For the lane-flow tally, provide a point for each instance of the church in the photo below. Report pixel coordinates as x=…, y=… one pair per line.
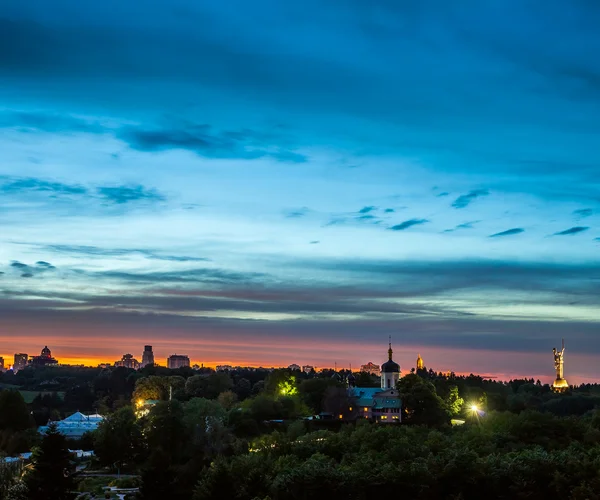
x=379, y=404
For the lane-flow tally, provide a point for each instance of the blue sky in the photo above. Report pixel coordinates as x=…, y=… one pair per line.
x=268, y=182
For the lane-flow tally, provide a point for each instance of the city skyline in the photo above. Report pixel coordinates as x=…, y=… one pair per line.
x=402, y=357
x=265, y=183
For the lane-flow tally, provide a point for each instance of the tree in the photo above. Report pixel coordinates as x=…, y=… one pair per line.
x=50, y=477
x=420, y=403
x=208, y=386
x=151, y=388
x=281, y=383
x=243, y=388
x=227, y=399
x=454, y=402
x=313, y=392
x=159, y=479
x=118, y=439
x=14, y=414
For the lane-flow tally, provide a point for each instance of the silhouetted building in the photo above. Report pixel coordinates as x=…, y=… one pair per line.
x=308, y=369
x=128, y=361
x=294, y=366
x=147, y=356
x=390, y=371
x=20, y=362
x=371, y=369
x=1, y=364
x=178, y=361
x=44, y=359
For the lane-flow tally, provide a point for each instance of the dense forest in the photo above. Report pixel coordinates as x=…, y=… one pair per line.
x=262, y=434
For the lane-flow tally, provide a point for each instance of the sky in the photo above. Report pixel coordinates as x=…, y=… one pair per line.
x=267, y=182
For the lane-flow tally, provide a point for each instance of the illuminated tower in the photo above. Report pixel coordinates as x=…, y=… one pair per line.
x=420, y=364
x=390, y=371
x=560, y=384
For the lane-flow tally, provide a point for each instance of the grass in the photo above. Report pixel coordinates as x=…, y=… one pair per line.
x=29, y=396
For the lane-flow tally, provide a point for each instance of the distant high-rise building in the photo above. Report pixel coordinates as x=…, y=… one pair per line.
x=44, y=359
x=128, y=361
x=371, y=368
x=178, y=361
x=147, y=356
x=21, y=360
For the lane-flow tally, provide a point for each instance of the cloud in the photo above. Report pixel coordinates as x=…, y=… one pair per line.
x=583, y=212
x=466, y=199
x=366, y=210
x=44, y=264
x=18, y=265
x=572, y=230
x=30, y=184
x=125, y=194
x=121, y=252
x=297, y=213
x=204, y=141
x=508, y=232
x=408, y=223
x=48, y=122
x=389, y=210
x=27, y=275
x=441, y=195
x=315, y=242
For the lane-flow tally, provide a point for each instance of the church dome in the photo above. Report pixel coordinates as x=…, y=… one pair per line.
x=46, y=352
x=390, y=367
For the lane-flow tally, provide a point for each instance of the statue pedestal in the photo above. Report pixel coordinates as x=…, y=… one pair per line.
x=560, y=385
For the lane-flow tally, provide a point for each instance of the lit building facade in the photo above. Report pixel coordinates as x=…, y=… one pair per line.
x=294, y=366
x=420, y=363
x=178, y=361
x=128, y=361
x=371, y=368
x=147, y=356
x=308, y=369
x=20, y=362
x=382, y=405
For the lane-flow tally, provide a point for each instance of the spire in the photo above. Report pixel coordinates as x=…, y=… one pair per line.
x=390, y=349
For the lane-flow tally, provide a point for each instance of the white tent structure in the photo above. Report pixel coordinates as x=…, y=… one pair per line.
x=76, y=425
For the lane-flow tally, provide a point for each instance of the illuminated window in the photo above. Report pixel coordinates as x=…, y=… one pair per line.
x=341, y=416
x=350, y=408
x=366, y=409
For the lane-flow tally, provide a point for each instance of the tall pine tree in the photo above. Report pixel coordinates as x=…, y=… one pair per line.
x=50, y=477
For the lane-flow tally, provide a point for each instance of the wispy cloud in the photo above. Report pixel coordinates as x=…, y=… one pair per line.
x=120, y=252
x=466, y=199
x=366, y=210
x=30, y=184
x=408, y=223
x=126, y=194
x=583, y=212
x=508, y=232
x=204, y=141
x=49, y=122
x=572, y=230
x=297, y=213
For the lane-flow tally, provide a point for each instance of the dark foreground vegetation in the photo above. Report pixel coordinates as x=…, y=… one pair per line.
x=245, y=435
